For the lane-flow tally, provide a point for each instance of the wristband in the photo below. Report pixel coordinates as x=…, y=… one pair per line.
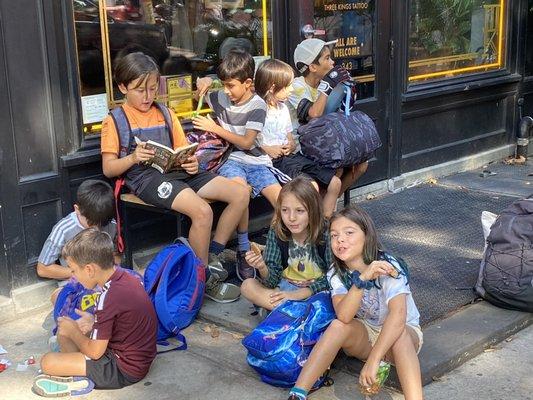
x=359, y=283
x=324, y=87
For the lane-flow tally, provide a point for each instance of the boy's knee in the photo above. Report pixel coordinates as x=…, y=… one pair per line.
x=203, y=214
x=241, y=194
x=46, y=362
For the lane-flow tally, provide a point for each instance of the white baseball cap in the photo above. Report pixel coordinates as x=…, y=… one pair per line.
x=306, y=52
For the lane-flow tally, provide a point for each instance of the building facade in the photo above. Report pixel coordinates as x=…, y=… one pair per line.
x=443, y=80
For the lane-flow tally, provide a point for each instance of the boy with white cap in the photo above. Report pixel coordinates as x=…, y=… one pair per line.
x=312, y=58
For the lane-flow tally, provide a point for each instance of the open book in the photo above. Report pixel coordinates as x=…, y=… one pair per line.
x=166, y=159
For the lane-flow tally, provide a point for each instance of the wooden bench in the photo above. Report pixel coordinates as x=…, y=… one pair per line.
x=129, y=202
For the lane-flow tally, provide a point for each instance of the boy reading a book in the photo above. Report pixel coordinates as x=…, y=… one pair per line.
x=122, y=344
x=241, y=114
x=94, y=207
x=137, y=77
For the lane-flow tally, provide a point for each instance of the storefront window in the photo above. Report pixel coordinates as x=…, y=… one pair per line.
x=352, y=23
x=187, y=38
x=448, y=38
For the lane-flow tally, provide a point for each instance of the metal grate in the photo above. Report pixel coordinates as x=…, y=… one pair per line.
x=437, y=230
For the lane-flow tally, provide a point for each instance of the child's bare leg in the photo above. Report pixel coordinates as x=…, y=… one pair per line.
x=332, y=194
x=236, y=196
x=350, y=176
x=199, y=211
x=259, y=295
x=407, y=364
x=271, y=193
x=242, y=226
x=64, y=364
x=352, y=337
x=66, y=345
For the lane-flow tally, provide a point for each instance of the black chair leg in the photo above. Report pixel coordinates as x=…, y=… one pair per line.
x=128, y=248
x=346, y=197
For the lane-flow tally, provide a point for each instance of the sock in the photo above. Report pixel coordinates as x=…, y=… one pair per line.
x=244, y=242
x=300, y=393
x=216, y=248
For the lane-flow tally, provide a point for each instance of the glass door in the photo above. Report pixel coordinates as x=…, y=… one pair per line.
x=362, y=30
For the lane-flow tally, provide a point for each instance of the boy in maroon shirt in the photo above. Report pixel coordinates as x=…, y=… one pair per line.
x=122, y=344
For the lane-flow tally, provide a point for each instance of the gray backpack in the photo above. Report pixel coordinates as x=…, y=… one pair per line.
x=506, y=272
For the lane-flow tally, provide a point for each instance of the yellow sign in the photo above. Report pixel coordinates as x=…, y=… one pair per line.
x=179, y=91
x=347, y=47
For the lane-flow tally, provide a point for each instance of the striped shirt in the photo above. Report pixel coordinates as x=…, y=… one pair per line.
x=238, y=119
x=61, y=233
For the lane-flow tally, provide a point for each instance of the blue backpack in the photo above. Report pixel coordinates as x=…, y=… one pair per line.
x=75, y=296
x=175, y=283
x=280, y=345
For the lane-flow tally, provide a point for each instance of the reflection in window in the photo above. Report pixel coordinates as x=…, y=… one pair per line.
x=352, y=23
x=187, y=38
x=452, y=37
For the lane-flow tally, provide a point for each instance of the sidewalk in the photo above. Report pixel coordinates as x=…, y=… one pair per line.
x=436, y=228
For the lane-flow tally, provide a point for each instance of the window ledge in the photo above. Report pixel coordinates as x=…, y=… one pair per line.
x=80, y=158
x=463, y=85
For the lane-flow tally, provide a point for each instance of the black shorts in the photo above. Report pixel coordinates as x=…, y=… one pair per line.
x=163, y=188
x=105, y=373
x=297, y=164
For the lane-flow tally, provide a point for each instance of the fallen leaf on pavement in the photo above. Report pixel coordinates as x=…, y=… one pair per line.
x=215, y=332
x=370, y=196
x=432, y=181
x=237, y=336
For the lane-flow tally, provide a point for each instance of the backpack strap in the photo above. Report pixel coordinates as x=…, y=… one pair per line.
x=116, y=194
x=123, y=128
x=168, y=119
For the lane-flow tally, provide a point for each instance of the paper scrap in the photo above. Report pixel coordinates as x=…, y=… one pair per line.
x=22, y=367
x=2, y=350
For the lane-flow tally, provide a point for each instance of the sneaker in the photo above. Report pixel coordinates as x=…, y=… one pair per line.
x=221, y=292
x=243, y=269
x=216, y=268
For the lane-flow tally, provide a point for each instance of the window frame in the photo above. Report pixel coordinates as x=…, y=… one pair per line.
x=461, y=80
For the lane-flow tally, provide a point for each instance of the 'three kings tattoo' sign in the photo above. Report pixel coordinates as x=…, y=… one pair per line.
x=350, y=46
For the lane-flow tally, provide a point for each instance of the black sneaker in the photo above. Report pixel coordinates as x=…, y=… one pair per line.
x=243, y=269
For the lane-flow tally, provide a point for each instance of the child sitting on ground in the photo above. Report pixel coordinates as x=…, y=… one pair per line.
x=312, y=58
x=297, y=253
x=273, y=82
x=241, y=115
x=122, y=344
x=94, y=207
x=377, y=318
x=137, y=77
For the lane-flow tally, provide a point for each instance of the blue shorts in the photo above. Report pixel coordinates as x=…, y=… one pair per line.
x=257, y=176
x=285, y=286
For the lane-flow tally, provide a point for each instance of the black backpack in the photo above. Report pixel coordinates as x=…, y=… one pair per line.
x=506, y=272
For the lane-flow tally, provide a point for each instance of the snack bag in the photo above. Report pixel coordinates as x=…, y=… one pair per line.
x=382, y=375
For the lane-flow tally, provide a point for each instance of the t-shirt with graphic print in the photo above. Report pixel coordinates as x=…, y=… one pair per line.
x=301, y=269
x=374, y=304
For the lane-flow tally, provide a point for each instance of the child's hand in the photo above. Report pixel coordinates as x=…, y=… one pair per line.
x=288, y=148
x=85, y=322
x=141, y=153
x=277, y=298
x=273, y=151
x=190, y=165
x=66, y=326
x=204, y=123
x=376, y=269
x=255, y=260
x=368, y=375
x=203, y=85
